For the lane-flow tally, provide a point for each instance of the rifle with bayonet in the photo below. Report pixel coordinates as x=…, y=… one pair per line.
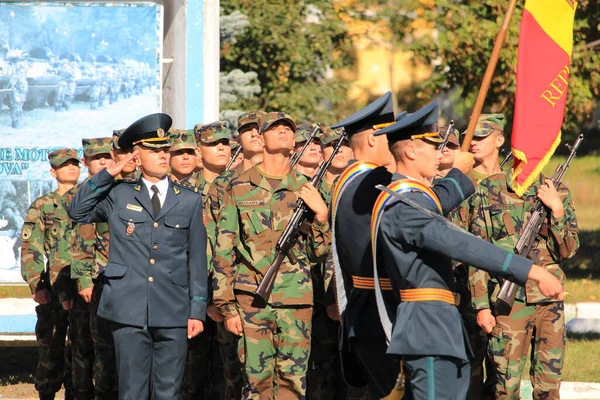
x=286, y=242
x=235, y=155
x=507, y=158
x=446, y=136
x=529, y=239
x=295, y=158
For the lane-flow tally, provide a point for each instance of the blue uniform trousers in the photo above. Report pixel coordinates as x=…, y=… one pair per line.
x=149, y=360
x=436, y=378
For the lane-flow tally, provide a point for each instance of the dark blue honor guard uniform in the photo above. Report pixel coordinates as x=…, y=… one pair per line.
x=156, y=276
x=417, y=246
x=362, y=342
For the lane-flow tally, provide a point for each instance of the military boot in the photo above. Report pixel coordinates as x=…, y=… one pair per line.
x=46, y=396
x=69, y=395
x=84, y=395
x=16, y=124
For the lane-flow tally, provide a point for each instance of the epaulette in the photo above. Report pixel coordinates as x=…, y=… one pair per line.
x=186, y=185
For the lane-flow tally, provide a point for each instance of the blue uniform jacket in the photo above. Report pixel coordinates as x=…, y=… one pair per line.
x=156, y=274
x=417, y=251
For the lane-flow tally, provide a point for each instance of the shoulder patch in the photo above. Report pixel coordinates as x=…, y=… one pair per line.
x=183, y=185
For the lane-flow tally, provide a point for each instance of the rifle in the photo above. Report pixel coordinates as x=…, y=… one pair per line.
x=530, y=236
x=446, y=136
x=295, y=158
x=507, y=158
x=288, y=239
x=233, y=157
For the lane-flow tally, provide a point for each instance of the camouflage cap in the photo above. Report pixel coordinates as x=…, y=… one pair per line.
x=488, y=124
x=453, y=135
x=303, y=133
x=249, y=118
x=61, y=156
x=92, y=147
x=182, y=139
x=329, y=135
x=115, y=138
x=267, y=120
x=212, y=132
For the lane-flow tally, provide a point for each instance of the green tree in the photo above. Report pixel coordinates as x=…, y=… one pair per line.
x=293, y=46
x=460, y=48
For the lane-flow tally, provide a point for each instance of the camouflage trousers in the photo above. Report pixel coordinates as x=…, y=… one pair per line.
x=275, y=347
x=82, y=346
x=324, y=378
x=105, y=362
x=232, y=367
x=543, y=326
x=53, y=369
x=16, y=111
x=203, y=376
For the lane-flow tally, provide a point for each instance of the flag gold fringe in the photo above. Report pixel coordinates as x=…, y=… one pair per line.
x=518, y=154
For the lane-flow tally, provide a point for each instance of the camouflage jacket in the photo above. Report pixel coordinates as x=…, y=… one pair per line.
x=45, y=236
x=498, y=215
x=252, y=218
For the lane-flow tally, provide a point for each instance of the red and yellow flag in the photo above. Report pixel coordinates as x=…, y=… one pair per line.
x=543, y=68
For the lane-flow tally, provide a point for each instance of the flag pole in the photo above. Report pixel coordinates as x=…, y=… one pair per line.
x=489, y=73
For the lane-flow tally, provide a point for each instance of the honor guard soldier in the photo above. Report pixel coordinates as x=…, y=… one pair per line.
x=44, y=238
x=156, y=277
x=257, y=206
x=417, y=245
x=362, y=341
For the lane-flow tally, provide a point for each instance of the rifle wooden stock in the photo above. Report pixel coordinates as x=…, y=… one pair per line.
x=529, y=237
x=286, y=242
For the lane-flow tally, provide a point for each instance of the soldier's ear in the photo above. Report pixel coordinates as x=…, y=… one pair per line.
x=84, y=161
x=371, y=139
x=500, y=141
x=53, y=172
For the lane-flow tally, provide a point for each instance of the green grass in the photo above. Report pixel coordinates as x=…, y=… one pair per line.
x=582, y=360
x=19, y=292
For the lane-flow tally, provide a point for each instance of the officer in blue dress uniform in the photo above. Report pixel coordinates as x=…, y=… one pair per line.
x=417, y=246
x=156, y=277
x=362, y=343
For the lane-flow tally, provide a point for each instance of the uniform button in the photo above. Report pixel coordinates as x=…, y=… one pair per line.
x=150, y=279
x=152, y=261
x=176, y=225
x=156, y=224
x=155, y=247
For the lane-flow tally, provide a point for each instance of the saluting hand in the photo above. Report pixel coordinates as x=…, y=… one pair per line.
x=195, y=327
x=549, y=196
x=116, y=168
x=314, y=201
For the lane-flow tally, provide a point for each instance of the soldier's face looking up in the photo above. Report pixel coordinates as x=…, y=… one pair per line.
x=250, y=139
x=183, y=161
x=67, y=173
x=154, y=162
x=216, y=155
x=279, y=139
x=97, y=162
x=341, y=159
x=485, y=147
x=119, y=154
x=312, y=156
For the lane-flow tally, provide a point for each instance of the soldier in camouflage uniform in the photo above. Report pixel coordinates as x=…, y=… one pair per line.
x=257, y=206
x=90, y=251
x=499, y=215
x=43, y=237
x=204, y=374
x=252, y=148
x=312, y=157
x=96, y=157
x=18, y=95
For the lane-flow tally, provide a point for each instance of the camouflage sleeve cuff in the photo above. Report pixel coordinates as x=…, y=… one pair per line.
x=84, y=282
x=558, y=223
x=480, y=302
x=320, y=226
x=34, y=286
x=228, y=310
